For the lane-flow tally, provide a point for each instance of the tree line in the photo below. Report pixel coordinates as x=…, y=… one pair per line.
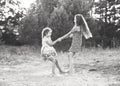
x=59, y=14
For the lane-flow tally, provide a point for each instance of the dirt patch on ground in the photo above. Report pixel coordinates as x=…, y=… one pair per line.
x=38, y=74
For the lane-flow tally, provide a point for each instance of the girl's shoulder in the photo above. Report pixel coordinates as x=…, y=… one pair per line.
x=76, y=28
x=46, y=39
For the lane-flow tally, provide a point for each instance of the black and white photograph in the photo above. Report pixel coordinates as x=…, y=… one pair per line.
x=59, y=42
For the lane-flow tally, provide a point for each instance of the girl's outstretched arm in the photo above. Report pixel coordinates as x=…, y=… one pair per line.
x=66, y=35
x=51, y=43
x=69, y=34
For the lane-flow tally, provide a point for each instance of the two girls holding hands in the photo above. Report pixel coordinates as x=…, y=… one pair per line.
x=79, y=29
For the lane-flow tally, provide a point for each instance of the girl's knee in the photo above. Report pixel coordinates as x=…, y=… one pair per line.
x=71, y=54
x=53, y=60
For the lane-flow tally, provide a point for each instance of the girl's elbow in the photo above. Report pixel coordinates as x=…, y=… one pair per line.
x=71, y=36
x=50, y=44
x=53, y=43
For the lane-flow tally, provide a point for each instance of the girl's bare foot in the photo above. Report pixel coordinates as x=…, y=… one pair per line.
x=70, y=72
x=63, y=72
x=52, y=75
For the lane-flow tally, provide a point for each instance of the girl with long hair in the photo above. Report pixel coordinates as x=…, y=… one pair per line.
x=79, y=29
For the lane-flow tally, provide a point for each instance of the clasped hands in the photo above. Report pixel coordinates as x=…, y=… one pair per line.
x=59, y=39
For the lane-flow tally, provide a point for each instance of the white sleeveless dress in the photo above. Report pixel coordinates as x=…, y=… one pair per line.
x=48, y=52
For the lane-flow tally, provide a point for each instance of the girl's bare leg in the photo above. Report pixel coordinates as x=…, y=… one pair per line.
x=58, y=66
x=53, y=68
x=53, y=65
x=70, y=58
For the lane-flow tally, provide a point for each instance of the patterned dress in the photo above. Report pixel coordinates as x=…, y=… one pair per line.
x=48, y=52
x=76, y=40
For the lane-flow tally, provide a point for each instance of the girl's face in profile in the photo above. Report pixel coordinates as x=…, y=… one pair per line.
x=49, y=33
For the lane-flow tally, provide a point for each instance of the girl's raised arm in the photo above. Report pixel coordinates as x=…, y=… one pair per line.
x=66, y=35
x=69, y=34
x=50, y=43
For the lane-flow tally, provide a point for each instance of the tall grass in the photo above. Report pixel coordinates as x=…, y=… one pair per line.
x=16, y=55
x=13, y=55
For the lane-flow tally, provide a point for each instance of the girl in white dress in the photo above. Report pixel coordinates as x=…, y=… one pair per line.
x=48, y=52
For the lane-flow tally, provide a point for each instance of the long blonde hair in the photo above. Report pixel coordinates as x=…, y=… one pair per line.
x=80, y=21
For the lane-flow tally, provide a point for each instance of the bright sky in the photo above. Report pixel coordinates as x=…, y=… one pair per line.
x=26, y=3
x=96, y=0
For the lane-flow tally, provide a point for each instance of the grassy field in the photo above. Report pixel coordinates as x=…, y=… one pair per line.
x=23, y=66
